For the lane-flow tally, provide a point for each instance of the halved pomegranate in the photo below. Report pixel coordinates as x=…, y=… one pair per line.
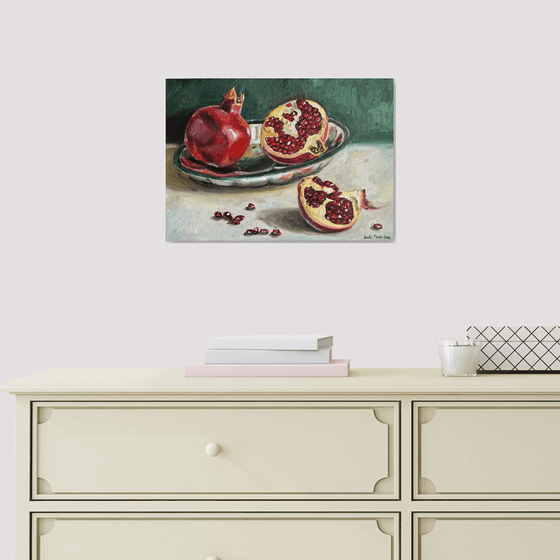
x=295, y=132
x=326, y=208
x=218, y=135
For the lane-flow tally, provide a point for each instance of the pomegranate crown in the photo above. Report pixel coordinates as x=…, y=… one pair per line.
x=233, y=100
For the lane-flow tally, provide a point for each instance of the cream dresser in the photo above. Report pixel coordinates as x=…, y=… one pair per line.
x=145, y=464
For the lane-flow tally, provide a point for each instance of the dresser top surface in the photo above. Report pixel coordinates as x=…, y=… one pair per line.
x=374, y=381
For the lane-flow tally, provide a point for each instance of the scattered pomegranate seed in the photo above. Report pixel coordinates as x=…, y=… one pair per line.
x=227, y=215
x=276, y=232
x=377, y=226
x=218, y=215
x=255, y=230
x=249, y=232
x=250, y=206
x=235, y=222
x=263, y=232
x=240, y=218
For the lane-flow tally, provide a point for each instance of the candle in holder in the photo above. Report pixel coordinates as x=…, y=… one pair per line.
x=459, y=356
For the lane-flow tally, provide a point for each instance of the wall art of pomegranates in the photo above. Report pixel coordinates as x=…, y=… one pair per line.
x=274, y=160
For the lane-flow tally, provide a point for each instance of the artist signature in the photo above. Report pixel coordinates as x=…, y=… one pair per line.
x=377, y=237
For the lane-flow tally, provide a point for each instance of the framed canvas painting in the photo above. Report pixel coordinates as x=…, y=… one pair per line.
x=271, y=160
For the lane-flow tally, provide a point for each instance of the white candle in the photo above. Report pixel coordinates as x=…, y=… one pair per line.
x=459, y=356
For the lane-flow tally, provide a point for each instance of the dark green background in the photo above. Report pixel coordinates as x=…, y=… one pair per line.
x=365, y=106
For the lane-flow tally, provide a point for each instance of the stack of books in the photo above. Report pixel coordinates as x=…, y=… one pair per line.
x=269, y=356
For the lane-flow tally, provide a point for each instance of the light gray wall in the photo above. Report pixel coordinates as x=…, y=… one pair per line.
x=88, y=279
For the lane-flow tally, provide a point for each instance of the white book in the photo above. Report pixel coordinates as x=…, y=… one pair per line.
x=271, y=342
x=337, y=368
x=323, y=356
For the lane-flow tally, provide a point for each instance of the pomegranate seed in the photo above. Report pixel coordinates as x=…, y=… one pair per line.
x=255, y=230
x=235, y=222
x=227, y=215
x=218, y=215
x=250, y=206
x=309, y=123
x=263, y=232
x=339, y=211
x=249, y=232
x=240, y=218
x=328, y=184
x=276, y=232
x=377, y=226
x=314, y=198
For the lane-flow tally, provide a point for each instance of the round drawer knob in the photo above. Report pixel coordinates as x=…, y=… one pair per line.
x=212, y=449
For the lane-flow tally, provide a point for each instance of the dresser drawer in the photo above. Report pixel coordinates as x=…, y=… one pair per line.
x=212, y=450
x=487, y=536
x=487, y=450
x=225, y=537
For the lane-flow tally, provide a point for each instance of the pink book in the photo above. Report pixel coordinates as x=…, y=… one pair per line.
x=336, y=368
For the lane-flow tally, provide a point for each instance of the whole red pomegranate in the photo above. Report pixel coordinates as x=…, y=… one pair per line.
x=218, y=135
x=326, y=208
x=295, y=132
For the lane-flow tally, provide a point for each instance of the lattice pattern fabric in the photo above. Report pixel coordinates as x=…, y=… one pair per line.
x=507, y=349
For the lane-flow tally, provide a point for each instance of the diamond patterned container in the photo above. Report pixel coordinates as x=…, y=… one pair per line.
x=526, y=349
